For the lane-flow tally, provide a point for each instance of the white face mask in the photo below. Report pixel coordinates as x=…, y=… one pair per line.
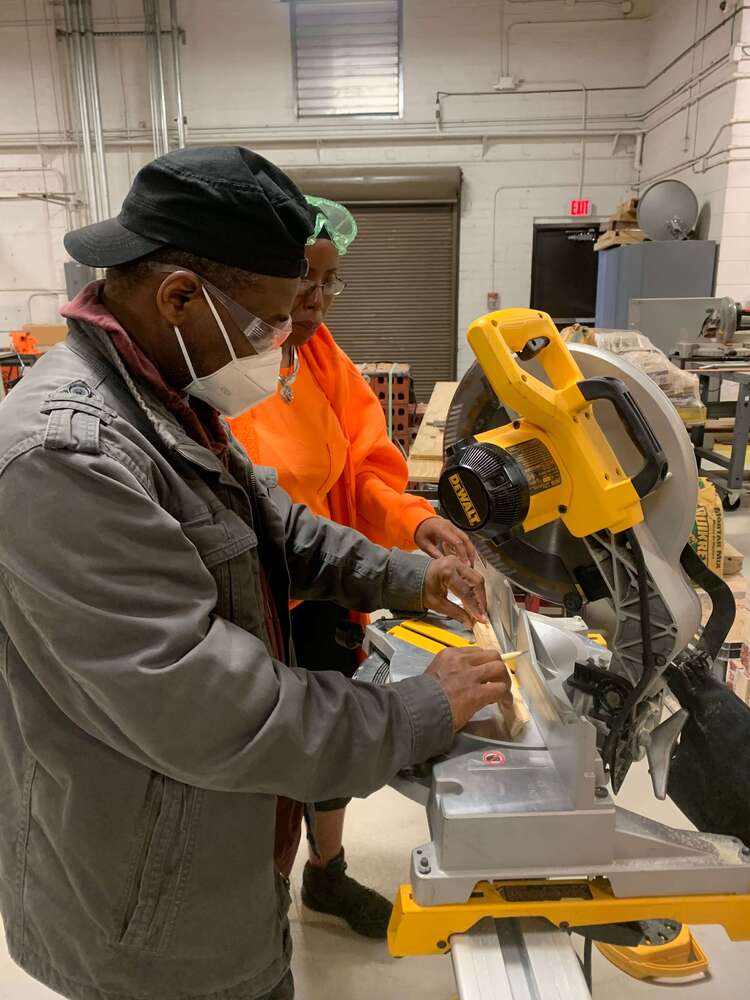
x=241, y=383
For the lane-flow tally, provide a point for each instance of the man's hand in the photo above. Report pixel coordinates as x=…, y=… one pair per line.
x=471, y=678
x=449, y=573
x=438, y=537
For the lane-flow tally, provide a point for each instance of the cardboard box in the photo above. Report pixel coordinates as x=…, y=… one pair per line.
x=627, y=211
x=619, y=237
x=47, y=334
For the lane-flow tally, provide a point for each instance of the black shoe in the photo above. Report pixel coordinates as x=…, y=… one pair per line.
x=330, y=890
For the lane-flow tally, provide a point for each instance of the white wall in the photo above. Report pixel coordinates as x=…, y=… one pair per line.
x=682, y=126
x=732, y=151
x=238, y=87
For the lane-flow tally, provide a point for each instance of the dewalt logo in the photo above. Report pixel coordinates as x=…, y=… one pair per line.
x=462, y=495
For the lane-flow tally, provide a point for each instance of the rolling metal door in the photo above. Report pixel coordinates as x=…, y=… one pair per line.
x=400, y=301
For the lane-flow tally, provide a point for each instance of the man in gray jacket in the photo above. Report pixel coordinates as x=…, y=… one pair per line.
x=151, y=716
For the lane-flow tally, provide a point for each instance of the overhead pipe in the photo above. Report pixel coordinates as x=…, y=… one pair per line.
x=730, y=18
x=177, y=70
x=156, y=77
x=161, y=93
x=234, y=135
x=539, y=87
x=148, y=20
x=92, y=78
x=73, y=30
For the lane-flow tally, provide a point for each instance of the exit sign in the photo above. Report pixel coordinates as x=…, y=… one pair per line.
x=579, y=206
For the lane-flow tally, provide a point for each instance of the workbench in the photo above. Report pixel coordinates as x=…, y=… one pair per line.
x=730, y=482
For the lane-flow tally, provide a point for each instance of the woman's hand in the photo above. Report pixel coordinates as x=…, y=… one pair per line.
x=450, y=574
x=438, y=537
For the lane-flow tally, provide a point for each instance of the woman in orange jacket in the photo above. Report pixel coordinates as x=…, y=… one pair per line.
x=325, y=432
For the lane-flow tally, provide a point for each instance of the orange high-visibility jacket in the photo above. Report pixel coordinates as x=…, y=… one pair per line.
x=331, y=447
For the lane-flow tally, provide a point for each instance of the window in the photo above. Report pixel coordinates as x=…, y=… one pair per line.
x=347, y=57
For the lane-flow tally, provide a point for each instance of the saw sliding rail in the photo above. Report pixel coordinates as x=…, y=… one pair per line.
x=517, y=959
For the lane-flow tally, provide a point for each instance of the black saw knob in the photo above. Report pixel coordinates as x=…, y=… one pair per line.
x=483, y=487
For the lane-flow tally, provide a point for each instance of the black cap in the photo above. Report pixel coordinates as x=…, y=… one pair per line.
x=225, y=203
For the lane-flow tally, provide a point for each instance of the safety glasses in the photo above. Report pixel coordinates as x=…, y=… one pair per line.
x=333, y=287
x=261, y=336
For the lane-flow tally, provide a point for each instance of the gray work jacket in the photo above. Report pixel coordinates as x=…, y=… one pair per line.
x=145, y=731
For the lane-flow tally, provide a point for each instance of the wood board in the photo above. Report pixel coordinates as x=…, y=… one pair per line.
x=514, y=710
x=426, y=454
x=733, y=560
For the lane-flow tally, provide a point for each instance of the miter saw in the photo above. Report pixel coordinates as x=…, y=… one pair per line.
x=576, y=479
x=722, y=335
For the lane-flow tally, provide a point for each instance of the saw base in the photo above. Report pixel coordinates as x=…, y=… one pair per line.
x=571, y=905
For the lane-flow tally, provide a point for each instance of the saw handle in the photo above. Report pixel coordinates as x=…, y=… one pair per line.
x=615, y=391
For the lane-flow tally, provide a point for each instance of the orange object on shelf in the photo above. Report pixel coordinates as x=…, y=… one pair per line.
x=23, y=344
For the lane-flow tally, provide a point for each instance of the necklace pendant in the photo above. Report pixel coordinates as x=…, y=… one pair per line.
x=287, y=394
x=287, y=381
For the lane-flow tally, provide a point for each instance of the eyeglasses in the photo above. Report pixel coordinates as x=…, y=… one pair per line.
x=261, y=335
x=334, y=286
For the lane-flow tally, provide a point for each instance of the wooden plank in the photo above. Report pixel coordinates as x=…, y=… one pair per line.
x=426, y=454
x=513, y=707
x=429, y=440
x=727, y=369
x=424, y=470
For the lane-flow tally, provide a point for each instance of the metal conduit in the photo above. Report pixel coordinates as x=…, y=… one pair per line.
x=161, y=94
x=159, y=126
x=92, y=77
x=177, y=70
x=148, y=20
x=75, y=52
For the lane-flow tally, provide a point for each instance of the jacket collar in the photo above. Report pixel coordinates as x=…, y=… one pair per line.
x=93, y=344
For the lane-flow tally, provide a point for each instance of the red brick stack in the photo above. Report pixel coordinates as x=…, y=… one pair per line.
x=401, y=404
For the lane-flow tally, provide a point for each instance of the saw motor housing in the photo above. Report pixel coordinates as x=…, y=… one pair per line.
x=554, y=460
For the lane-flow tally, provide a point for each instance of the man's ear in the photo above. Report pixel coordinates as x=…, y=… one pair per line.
x=177, y=297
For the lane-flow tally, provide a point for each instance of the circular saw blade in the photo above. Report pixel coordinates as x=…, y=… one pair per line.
x=548, y=561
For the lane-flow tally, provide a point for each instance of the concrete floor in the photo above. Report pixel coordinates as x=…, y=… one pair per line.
x=381, y=832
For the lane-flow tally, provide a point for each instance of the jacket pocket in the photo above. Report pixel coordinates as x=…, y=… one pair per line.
x=222, y=538
x=160, y=865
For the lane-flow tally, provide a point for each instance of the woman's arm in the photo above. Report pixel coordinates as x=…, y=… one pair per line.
x=385, y=513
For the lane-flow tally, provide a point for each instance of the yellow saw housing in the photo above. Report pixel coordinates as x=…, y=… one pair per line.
x=554, y=460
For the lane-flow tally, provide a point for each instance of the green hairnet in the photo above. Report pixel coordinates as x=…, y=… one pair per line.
x=337, y=220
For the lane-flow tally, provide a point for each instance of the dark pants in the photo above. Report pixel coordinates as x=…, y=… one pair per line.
x=325, y=639
x=284, y=991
